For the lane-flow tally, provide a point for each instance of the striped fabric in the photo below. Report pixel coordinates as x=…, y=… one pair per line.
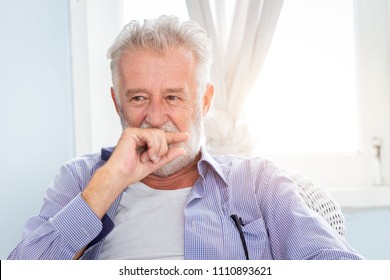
x=276, y=222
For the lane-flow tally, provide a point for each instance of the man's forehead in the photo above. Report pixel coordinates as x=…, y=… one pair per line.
x=172, y=70
x=172, y=54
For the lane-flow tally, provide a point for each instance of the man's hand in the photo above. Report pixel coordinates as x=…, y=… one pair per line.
x=138, y=153
x=142, y=151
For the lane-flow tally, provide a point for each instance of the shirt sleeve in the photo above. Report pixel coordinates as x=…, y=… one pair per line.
x=65, y=224
x=296, y=231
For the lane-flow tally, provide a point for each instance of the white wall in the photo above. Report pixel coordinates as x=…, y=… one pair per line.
x=368, y=231
x=95, y=25
x=35, y=109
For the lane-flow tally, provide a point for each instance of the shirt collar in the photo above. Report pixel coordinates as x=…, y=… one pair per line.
x=206, y=162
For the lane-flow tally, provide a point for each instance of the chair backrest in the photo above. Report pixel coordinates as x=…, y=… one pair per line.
x=320, y=201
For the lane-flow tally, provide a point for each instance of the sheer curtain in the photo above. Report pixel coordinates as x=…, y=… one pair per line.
x=239, y=52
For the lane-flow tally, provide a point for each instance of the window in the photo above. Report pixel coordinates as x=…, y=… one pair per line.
x=305, y=96
x=326, y=75
x=307, y=83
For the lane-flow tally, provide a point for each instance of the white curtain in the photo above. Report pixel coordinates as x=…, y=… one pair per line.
x=239, y=53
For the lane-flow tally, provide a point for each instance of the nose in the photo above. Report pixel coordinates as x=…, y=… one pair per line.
x=156, y=114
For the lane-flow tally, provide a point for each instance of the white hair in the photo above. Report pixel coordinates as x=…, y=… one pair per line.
x=159, y=35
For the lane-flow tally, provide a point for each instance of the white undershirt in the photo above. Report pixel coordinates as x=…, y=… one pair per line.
x=149, y=224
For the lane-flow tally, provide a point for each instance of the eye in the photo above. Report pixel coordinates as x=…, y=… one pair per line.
x=138, y=98
x=172, y=97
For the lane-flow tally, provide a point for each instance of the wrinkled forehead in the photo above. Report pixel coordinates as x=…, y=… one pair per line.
x=143, y=69
x=173, y=53
x=177, y=60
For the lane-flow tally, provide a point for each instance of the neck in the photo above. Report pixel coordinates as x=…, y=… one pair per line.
x=183, y=178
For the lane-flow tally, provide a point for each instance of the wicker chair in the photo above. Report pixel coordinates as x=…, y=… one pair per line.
x=320, y=201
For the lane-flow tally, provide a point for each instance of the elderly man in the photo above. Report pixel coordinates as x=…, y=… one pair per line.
x=158, y=194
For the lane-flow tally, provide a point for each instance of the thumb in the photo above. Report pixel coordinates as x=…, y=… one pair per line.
x=173, y=153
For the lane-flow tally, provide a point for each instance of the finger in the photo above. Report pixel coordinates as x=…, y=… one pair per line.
x=162, y=145
x=155, y=142
x=159, y=147
x=162, y=141
x=148, y=141
x=173, y=153
x=176, y=137
x=144, y=157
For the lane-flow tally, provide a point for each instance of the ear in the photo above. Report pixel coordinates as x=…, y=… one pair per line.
x=207, y=98
x=116, y=102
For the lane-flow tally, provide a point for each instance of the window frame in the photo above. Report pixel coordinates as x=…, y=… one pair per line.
x=362, y=171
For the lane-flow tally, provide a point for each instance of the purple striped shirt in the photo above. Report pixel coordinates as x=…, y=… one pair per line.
x=276, y=222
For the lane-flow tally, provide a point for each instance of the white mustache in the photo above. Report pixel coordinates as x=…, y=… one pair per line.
x=167, y=127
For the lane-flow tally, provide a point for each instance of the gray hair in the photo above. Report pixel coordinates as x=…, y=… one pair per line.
x=159, y=35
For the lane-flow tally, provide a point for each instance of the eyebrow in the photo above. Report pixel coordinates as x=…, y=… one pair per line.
x=144, y=90
x=173, y=90
x=135, y=91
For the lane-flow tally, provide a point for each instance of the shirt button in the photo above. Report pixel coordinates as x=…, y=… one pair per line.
x=193, y=224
